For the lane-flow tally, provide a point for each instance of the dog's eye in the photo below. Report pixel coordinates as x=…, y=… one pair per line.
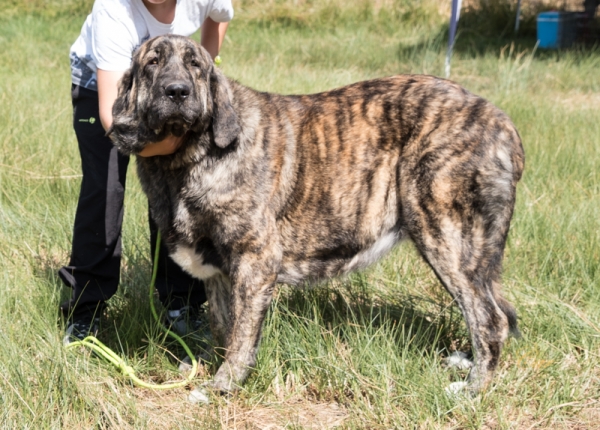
x=195, y=63
x=153, y=61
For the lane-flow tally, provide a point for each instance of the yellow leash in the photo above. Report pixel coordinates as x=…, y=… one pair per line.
x=109, y=355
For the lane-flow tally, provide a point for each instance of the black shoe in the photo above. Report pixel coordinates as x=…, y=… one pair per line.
x=78, y=330
x=81, y=321
x=189, y=321
x=192, y=323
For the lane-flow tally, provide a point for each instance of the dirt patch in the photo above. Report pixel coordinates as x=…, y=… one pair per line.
x=297, y=413
x=169, y=409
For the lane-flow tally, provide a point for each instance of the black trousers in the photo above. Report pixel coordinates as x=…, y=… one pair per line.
x=94, y=269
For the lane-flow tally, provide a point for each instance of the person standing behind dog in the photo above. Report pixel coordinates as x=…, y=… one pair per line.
x=99, y=57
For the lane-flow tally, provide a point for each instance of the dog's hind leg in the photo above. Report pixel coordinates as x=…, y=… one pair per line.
x=472, y=285
x=462, y=236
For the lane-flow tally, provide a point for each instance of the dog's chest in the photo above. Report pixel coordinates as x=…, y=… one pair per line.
x=183, y=220
x=194, y=262
x=190, y=258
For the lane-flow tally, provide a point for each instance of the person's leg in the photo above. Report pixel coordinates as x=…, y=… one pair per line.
x=94, y=268
x=176, y=288
x=590, y=8
x=180, y=293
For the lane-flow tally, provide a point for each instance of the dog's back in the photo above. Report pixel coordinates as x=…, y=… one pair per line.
x=376, y=160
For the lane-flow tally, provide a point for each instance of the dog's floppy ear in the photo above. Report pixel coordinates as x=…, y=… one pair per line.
x=125, y=104
x=126, y=130
x=125, y=101
x=225, y=124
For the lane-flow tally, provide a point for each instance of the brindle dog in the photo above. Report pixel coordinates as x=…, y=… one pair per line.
x=269, y=188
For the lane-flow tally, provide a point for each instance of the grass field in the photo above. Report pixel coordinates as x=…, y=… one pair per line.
x=364, y=352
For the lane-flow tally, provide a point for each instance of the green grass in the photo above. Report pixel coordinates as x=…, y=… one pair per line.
x=364, y=352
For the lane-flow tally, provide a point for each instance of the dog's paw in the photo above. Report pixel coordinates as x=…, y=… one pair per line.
x=458, y=360
x=203, y=393
x=185, y=365
x=457, y=389
x=199, y=396
x=223, y=385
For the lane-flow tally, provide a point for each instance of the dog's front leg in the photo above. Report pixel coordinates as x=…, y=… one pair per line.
x=218, y=292
x=252, y=284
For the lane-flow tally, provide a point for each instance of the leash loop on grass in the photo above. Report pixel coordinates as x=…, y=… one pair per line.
x=109, y=355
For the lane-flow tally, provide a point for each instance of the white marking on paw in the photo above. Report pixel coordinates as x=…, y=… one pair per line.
x=456, y=388
x=458, y=360
x=198, y=395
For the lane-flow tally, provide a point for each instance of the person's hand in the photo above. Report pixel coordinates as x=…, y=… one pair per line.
x=164, y=147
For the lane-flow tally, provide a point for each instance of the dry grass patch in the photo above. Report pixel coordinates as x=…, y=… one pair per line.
x=170, y=409
x=575, y=101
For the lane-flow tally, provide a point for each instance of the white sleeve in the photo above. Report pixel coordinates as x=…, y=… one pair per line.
x=112, y=43
x=221, y=11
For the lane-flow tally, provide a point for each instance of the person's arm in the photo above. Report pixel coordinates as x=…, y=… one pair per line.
x=213, y=34
x=107, y=94
x=108, y=90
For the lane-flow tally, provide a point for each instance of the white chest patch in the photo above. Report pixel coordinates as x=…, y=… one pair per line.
x=193, y=263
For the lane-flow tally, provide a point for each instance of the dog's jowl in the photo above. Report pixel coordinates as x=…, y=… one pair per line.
x=269, y=188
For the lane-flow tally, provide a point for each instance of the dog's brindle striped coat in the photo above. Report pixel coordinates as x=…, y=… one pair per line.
x=269, y=188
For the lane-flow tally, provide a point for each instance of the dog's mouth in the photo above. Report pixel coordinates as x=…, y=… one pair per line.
x=175, y=126
x=176, y=122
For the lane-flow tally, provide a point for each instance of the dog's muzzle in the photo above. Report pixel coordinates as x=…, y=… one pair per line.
x=178, y=92
x=175, y=110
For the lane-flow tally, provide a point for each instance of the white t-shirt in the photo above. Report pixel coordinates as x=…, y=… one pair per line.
x=116, y=28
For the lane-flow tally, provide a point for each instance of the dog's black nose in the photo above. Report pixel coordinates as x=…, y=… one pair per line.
x=177, y=91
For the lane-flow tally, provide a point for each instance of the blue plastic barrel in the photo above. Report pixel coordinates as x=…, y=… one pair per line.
x=556, y=29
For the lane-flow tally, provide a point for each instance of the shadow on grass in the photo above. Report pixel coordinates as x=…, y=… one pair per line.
x=424, y=324
x=349, y=312
x=127, y=320
x=336, y=342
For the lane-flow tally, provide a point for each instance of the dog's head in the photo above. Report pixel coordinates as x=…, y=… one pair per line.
x=172, y=87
